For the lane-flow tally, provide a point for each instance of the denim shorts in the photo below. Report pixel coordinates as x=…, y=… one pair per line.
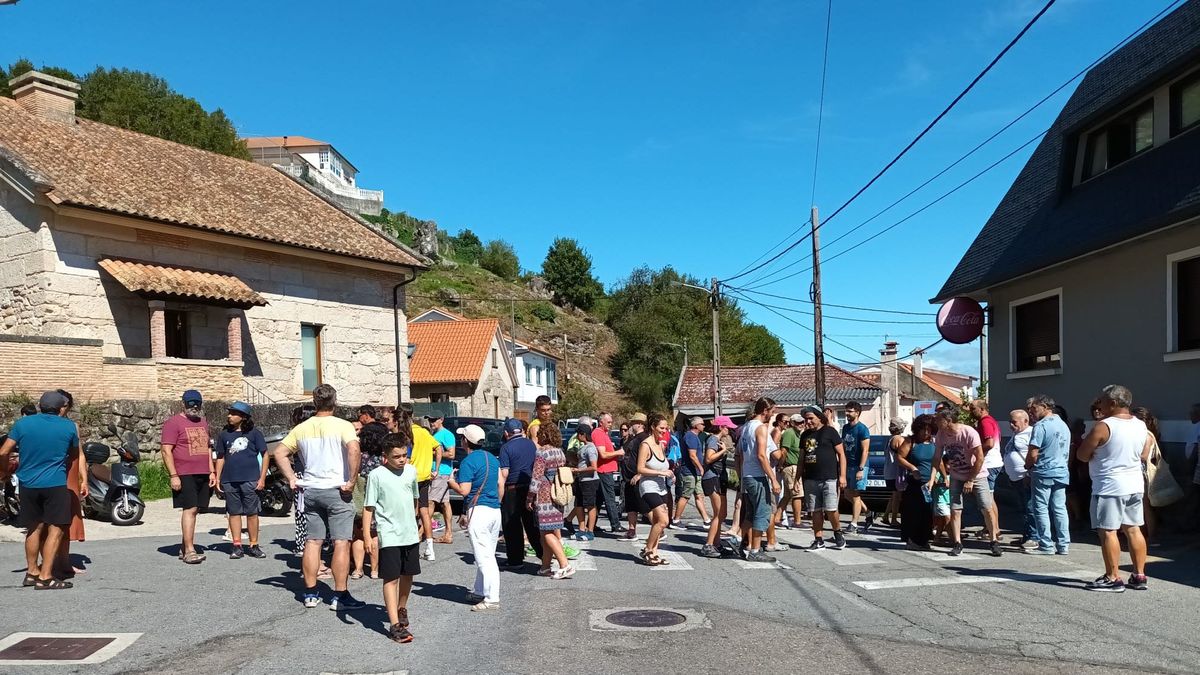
x=820, y=495
x=756, y=502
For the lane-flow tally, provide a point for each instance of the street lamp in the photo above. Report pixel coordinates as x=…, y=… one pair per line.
x=684, y=347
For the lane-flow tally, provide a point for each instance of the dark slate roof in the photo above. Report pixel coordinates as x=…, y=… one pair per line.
x=807, y=395
x=1043, y=221
x=743, y=384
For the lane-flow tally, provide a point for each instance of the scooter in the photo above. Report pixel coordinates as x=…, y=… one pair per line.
x=276, y=496
x=113, y=489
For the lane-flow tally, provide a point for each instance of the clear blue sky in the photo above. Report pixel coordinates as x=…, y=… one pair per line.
x=653, y=132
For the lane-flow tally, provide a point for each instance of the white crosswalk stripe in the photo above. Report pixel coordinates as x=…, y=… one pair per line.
x=943, y=556
x=947, y=581
x=748, y=565
x=676, y=561
x=846, y=556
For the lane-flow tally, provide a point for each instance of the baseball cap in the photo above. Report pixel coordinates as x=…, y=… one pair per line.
x=192, y=396
x=797, y=418
x=472, y=433
x=435, y=416
x=723, y=421
x=638, y=417
x=583, y=428
x=240, y=408
x=51, y=401
x=512, y=425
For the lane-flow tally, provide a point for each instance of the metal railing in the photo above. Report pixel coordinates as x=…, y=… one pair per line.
x=305, y=172
x=255, y=396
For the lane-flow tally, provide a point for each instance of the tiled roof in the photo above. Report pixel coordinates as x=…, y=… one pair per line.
x=1040, y=222
x=155, y=280
x=940, y=388
x=450, y=351
x=281, y=142
x=442, y=314
x=793, y=396
x=744, y=384
x=98, y=166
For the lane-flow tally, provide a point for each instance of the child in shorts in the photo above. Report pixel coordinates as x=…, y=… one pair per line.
x=391, y=506
x=941, y=504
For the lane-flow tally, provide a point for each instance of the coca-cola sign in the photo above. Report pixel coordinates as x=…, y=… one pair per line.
x=960, y=320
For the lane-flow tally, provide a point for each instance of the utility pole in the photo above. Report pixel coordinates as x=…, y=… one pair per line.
x=714, y=300
x=685, y=353
x=815, y=295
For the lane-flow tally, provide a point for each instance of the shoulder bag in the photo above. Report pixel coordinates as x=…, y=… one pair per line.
x=1161, y=486
x=464, y=521
x=560, y=488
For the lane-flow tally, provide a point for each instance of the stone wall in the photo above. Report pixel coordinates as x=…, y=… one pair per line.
x=219, y=380
x=50, y=285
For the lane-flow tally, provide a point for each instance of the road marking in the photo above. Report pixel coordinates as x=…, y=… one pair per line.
x=847, y=596
x=845, y=556
x=51, y=649
x=749, y=565
x=947, y=581
x=942, y=556
x=677, y=563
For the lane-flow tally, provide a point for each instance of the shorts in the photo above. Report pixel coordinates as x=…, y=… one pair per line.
x=329, y=513
x=820, y=495
x=688, y=486
x=982, y=494
x=423, y=493
x=439, y=490
x=241, y=499
x=756, y=502
x=793, y=487
x=714, y=486
x=941, y=508
x=993, y=473
x=653, y=500
x=399, y=561
x=585, y=493
x=1115, y=512
x=193, y=492
x=852, y=471
x=51, y=506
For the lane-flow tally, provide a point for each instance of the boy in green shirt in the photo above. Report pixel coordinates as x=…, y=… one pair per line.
x=391, y=503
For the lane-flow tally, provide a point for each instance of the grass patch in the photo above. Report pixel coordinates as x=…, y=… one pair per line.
x=156, y=482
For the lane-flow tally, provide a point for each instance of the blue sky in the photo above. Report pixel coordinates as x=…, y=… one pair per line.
x=677, y=132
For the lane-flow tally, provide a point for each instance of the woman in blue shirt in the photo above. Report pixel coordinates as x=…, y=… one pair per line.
x=477, y=480
x=915, y=459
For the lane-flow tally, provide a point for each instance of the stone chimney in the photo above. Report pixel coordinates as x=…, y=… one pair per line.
x=918, y=369
x=46, y=96
x=889, y=381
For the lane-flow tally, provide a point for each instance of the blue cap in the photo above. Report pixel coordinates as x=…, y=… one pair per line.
x=513, y=424
x=192, y=395
x=241, y=408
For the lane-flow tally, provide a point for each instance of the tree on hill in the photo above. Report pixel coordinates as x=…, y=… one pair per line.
x=568, y=271
x=649, y=310
x=467, y=247
x=500, y=259
x=142, y=102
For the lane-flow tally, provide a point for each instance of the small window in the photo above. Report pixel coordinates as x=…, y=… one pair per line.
x=538, y=372
x=1185, y=103
x=178, y=335
x=310, y=355
x=324, y=159
x=1035, y=332
x=439, y=398
x=1119, y=140
x=1187, y=304
x=495, y=358
x=528, y=374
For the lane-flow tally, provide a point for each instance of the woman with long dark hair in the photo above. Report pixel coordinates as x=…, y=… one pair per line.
x=915, y=458
x=653, y=469
x=241, y=474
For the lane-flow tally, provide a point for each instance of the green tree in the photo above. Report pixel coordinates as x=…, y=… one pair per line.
x=575, y=400
x=467, y=247
x=500, y=259
x=567, y=269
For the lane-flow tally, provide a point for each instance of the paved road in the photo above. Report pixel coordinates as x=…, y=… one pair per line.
x=873, y=607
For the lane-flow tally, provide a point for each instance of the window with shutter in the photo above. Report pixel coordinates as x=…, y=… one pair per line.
x=1037, y=344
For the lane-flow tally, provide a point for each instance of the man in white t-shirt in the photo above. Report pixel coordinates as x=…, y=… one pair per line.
x=1014, y=455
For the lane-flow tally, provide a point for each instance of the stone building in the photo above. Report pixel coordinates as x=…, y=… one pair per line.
x=132, y=268
x=464, y=363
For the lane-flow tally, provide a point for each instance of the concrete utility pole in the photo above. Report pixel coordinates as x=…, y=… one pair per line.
x=714, y=300
x=815, y=295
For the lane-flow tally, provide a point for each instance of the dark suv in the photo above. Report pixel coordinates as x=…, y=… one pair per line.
x=876, y=495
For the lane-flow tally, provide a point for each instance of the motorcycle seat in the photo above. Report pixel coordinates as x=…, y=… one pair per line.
x=100, y=472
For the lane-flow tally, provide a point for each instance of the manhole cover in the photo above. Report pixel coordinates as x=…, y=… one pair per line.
x=646, y=618
x=62, y=648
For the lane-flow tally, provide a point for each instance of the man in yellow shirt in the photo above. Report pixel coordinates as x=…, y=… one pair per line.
x=544, y=412
x=423, y=445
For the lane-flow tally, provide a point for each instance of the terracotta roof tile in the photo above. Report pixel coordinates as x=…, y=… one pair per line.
x=151, y=279
x=282, y=142
x=98, y=166
x=450, y=351
x=741, y=385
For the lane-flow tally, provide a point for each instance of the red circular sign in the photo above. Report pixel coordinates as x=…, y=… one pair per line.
x=960, y=320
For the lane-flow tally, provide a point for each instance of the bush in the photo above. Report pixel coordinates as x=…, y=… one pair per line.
x=576, y=400
x=568, y=272
x=500, y=259
x=156, y=481
x=467, y=247
x=543, y=311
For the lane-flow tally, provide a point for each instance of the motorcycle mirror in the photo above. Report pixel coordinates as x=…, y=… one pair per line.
x=131, y=441
x=112, y=429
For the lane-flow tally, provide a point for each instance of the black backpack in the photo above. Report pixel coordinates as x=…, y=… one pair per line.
x=631, y=447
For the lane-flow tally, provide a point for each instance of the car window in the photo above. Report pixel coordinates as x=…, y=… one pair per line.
x=879, y=445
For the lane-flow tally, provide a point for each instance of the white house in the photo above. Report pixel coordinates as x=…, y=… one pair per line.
x=320, y=164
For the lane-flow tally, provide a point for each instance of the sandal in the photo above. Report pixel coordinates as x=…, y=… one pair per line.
x=52, y=585
x=30, y=580
x=443, y=540
x=400, y=634
x=193, y=558
x=356, y=575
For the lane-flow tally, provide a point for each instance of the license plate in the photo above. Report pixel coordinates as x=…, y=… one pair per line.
x=876, y=483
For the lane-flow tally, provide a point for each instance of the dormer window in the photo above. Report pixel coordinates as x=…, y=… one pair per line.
x=1119, y=140
x=1185, y=103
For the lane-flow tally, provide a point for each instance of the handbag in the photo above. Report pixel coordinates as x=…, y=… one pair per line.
x=1161, y=486
x=464, y=521
x=560, y=488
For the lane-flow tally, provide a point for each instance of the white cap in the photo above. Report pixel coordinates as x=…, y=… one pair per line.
x=472, y=433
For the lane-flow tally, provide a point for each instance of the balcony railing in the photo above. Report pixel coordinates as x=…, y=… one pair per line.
x=317, y=178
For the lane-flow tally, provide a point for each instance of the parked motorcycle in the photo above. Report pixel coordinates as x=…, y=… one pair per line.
x=10, y=491
x=113, y=490
x=276, y=497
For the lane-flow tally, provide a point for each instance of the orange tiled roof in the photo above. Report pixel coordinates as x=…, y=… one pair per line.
x=450, y=351
x=281, y=142
x=157, y=280
x=940, y=388
x=98, y=166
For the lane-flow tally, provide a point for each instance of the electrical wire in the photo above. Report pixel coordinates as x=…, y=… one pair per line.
x=829, y=304
x=821, y=103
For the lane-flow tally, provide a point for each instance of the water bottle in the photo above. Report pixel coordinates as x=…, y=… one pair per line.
x=926, y=494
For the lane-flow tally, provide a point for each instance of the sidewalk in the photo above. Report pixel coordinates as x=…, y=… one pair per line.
x=159, y=520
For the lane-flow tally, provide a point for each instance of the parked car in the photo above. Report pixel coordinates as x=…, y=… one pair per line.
x=876, y=495
x=493, y=430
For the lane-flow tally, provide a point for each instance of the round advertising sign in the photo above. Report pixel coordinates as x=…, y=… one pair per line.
x=960, y=320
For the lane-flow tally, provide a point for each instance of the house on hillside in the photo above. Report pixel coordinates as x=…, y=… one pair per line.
x=536, y=370
x=133, y=268
x=319, y=164
x=464, y=363
x=1090, y=265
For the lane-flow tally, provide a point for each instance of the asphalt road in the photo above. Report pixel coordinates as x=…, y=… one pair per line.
x=873, y=607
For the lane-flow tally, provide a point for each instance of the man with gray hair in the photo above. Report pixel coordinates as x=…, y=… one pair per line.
x=1046, y=461
x=1115, y=450
x=690, y=469
x=1015, y=452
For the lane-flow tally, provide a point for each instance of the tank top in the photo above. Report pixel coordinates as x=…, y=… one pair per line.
x=921, y=456
x=748, y=447
x=1116, y=467
x=655, y=484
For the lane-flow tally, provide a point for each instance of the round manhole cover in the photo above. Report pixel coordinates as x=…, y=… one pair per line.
x=645, y=618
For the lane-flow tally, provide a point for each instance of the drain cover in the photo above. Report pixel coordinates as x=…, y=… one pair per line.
x=62, y=648
x=645, y=618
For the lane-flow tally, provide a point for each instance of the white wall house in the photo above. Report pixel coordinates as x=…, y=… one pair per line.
x=319, y=163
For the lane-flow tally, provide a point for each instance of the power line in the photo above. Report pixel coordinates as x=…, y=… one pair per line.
x=736, y=293
x=828, y=304
x=821, y=104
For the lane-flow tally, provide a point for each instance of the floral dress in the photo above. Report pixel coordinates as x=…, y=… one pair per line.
x=545, y=468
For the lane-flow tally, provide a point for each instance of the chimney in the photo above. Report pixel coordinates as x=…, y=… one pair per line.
x=46, y=96
x=918, y=369
x=889, y=381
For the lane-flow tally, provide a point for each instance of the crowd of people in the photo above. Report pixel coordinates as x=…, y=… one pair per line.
x=367, y=490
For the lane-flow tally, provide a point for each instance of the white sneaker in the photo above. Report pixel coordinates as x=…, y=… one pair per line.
x=428, y=555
